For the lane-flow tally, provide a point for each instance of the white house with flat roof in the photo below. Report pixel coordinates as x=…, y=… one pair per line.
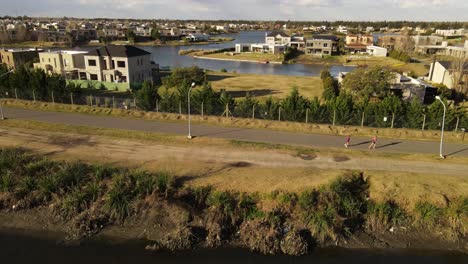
x=377, y=51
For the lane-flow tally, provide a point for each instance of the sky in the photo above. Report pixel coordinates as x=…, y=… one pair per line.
x=297, y=10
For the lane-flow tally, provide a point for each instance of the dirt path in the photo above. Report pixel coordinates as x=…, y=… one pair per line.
x=134, y=152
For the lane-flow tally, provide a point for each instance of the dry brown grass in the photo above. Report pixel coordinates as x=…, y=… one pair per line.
x=418, y=68
x=262, y=86
x=254, y=57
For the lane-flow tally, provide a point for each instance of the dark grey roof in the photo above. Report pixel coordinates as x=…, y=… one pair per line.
x=118, y=51
x=276, y=33
x=327, y=37
x=448, y=65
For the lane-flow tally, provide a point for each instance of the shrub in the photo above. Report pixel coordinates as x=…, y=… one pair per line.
x=247, y=206
x=26, y=185
x=381, y=215
x=427, y=213
x=200, y=196
x=164, y=182
x=223, y=201
x=144, y=183
x=6, y=182
x=119, y=198
x=47, y=186
x=308, y=199
x=324, y=224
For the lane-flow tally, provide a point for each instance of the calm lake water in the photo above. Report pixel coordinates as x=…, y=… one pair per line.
x=23, y=247
x=169, y=56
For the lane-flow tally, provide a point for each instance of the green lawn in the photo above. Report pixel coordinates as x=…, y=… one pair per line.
x=263, y=86
x=260, y=57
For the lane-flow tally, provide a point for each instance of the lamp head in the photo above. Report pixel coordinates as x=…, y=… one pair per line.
x=193, y=84
x=437, y=97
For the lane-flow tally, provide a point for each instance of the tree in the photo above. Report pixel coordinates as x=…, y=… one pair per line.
x=341, y=109
x=245, y=107
x=369, y=82
x=414, y=114
x=146, y=96
x=224, y=100
x=206, y=96
x=269, y=109
x=131, y=36
x=168, y=101
x=155, y=34
x=294, y=106
x=391, y=105
x=330, y=88
x=181, y=76
x=459, y=75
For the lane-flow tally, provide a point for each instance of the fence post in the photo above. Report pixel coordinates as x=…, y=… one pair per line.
x=227, y=110
x=362, y=119
x=279, y=113
x=91, y=100
x=202, y=110
x=34, y=96
x=456, y=126
x=253, y=112
x=424, y=122
x=334, y=116
x=180, y=108
x=16, y=94
x=393, y=119
x=307, y=115
x=113, y=101
x=53, y=99
x=71, y=98
x=134, y=103
x=157, y=106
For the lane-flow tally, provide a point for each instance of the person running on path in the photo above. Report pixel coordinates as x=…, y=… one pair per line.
x=348, y=140
x=374, y=142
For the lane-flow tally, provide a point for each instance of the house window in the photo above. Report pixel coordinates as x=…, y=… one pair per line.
x=55, y=62
x=113, y=64
x=93, y=77
x=65, y=62
x=121, y=64
x=92, y=62
x=325, y=45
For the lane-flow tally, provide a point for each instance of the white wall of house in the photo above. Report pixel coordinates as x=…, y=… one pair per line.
x=377, y=51
x=439, y=74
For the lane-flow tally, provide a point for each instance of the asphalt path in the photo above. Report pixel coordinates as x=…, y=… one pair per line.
x=241, y=134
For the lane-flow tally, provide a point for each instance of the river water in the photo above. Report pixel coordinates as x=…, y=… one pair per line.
x=169, y=56
x=23, y=247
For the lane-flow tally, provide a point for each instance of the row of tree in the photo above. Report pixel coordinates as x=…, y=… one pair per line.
x=372, y=105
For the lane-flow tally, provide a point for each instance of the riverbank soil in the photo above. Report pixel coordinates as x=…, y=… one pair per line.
x=254, y=57
x=256, y=198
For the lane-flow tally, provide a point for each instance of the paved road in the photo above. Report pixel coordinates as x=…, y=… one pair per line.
x=253, y=135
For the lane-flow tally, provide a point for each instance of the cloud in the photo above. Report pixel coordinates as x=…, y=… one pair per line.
x=425, y=3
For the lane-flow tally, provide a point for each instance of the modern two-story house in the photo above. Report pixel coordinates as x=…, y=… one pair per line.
x=126, y=64
x=322, y=45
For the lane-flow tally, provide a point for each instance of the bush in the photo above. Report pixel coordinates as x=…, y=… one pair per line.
x=427, y=213
x=6, y=182
x=380, y=216
x=119, y=198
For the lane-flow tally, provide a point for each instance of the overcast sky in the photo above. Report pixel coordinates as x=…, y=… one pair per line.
x=310, y=10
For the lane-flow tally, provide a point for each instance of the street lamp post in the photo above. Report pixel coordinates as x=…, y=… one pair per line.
x=443, y=126
x=2, y=117
x=189, y=122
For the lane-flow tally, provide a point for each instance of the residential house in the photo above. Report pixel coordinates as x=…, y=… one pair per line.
x=395, y=42
x=442, y=72
x=194, y=37
x=376, y=51
x=451, y=32
x=277, y=38
x=410, y=88
x=14, y=58
x=260, y=48
x=358, y=43
x=427, y=40
x=298, y=42
x=67, y=63
x=322, y=45
x=125, y=63
x=457, y=51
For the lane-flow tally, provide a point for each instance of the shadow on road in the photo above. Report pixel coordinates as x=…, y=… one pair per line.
x=457, y=152
x=219, y=133
x=359, y=144
x=390, y=144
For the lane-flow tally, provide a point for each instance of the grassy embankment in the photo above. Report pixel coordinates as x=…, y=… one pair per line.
x=242, y=122
x=88, y=198
x=38, y=44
